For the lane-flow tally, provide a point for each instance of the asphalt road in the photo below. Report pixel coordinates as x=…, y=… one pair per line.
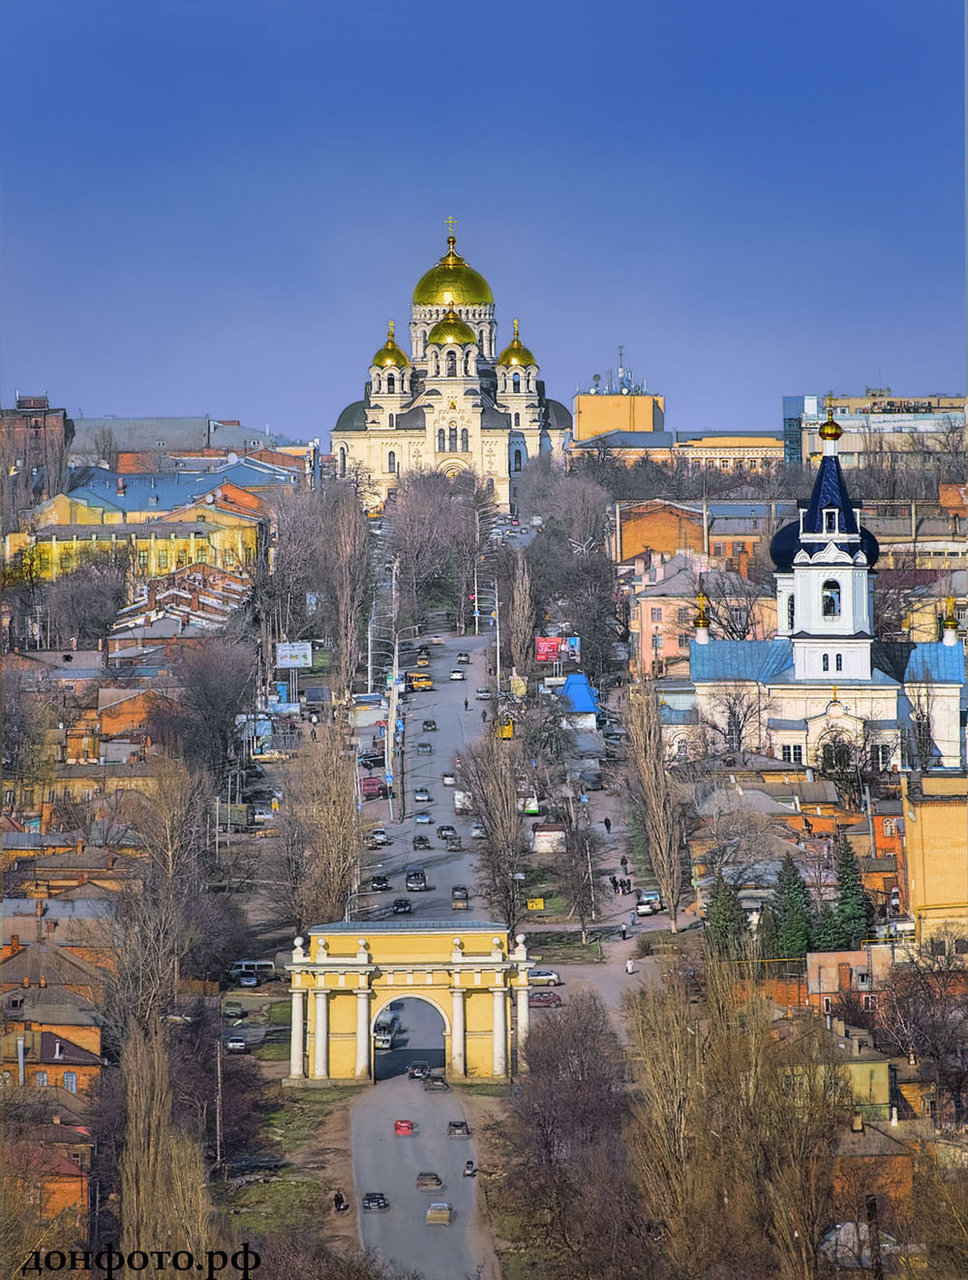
x=421, y=1036
x=455, y=728
x=387, y=1163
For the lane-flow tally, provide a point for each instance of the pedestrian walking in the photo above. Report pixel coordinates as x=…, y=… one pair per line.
x=624, y=862
x=339, y=1202
x=631, y=917
x=614, y=880
x=625, y=931
x=466, y=704
x=607, y=824
x=483, y=717
x=312, y=734
x=629, y=966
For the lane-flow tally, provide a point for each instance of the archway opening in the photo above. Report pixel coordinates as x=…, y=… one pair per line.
x=418, y=1037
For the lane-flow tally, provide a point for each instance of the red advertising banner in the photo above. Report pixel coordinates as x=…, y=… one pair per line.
x=547, y=648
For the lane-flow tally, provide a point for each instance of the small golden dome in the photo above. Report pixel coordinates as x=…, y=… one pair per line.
x=467, y=288
x=390, y=355
x=451, y=331
x=516, y=352
x=831, y=430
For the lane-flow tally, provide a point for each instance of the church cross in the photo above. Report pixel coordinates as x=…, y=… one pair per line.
x=451, y=223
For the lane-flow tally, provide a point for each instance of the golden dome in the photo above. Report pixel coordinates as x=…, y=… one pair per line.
x=831, y=430
x=516, y=352
x=451, y=331
x=452, y=276
x=390, y=355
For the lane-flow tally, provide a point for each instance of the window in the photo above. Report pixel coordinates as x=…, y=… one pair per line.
x=64, y=562
x=390, y=421
x=791, y=612
x=882, y=759
x=657, y=641
x=517, y=419
x=838, y=662
x=961, y=946
x=70, y=1081
x=682, y=751
x=797, y=753
x=44, y=560
x=452, y=438
x=830, y=522
x=201, y=554
x=516, y=383
x=719, y=549
x=828, y=1004
x=938, y=947
x=830, y=599
x=786, y=753
x=890, y=827
x=825, y=662
x=8, y=799
x=464, y=441
x=683, y=615
x=441, y=440
x=162, y=557
x=391, y=386
x=342, y=462
x=869, y=1003
x=392, y=462
x=451, y=368
x=656, y=615
x=40, y=1079
x=517, y=460
x=142, y=559
x=684, y=642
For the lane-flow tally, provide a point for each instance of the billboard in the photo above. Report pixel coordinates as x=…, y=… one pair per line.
x=557, y=648
x=289, y=656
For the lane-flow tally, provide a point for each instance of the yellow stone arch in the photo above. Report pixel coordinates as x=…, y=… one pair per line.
x=349, y=972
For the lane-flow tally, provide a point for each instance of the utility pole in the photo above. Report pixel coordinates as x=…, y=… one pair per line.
x=392, y=711
x=218, y=1099
x=497, y=617
x=477, y=557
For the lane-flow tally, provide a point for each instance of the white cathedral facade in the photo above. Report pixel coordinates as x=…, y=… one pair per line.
x=825, y=683
x=455, y=403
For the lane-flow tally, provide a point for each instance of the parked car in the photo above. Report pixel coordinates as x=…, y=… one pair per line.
x=457, y=674
x=434, y=1083
x=232, y=1009
x=429, y=726
x=418, y=1069
x=448, y=780
x=248, y=980
x=402, y=906
x=483, y=695
x=378, y=836
x=262, y=812
x=463, y=658
x=544, y=1000
x=370, y=759
x=422, y=796
x=424, y=749
x=236, y=1044
x=379, y=884
x=478, y=832
x=544, y=978
x=649, y=903
x=422, y=818
x=373, y=789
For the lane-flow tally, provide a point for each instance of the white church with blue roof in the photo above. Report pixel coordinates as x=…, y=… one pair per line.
x=825, y=682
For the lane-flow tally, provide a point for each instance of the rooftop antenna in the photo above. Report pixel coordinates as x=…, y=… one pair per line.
x=621, y=361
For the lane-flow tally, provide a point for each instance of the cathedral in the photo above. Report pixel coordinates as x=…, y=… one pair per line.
x=455, y=403
x=825, y=690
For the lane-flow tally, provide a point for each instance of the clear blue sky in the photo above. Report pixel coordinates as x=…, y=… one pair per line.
x=214, y=207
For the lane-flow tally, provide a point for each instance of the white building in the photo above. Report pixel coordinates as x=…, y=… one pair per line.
x=455, y=404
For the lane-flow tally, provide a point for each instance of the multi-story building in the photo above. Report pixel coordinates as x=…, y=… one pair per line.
x=455, y=404
x=877, y=423
x=34, y=444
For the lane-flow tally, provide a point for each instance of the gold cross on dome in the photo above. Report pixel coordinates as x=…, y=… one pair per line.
x=451, y=223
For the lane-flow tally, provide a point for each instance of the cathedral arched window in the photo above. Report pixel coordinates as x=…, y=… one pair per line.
x=517, y=419
x=791, y=612
x=467, y=365
x=480, y=339
x=451, y=371
x=390, y=420
x=838, y=662
x=464, y=441
x=435, y=365
x=452, y=438
x=517, y=460
x=342, y=462
x=830, y=599
x=825, y=662
x=516, y=383
x=392, y=462
x=391, y=384
x=441, y=440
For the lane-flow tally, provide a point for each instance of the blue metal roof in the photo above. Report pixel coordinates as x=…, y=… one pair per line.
x=578, y=693
x=678, y=715
x=758, y=660
x=936, y=662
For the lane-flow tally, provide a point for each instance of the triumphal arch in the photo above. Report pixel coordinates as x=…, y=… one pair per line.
x=347, y=974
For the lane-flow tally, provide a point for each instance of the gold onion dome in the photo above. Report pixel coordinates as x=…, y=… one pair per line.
x=451, y=331
x=452, y=275
x=516, y=352
x=831, y=430
x=390, y=355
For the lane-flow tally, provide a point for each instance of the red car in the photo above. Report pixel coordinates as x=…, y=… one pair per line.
x=403, y=1128
x=544, y=1000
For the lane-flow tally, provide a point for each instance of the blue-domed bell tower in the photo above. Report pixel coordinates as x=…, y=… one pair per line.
x=824, y=578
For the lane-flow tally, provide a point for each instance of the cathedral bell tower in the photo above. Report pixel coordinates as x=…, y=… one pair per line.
x=824, y=578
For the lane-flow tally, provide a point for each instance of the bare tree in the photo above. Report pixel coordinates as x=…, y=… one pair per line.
x=322, y=798
x=346, y=561
x=735, y=605
x=578, y=873
x=488, y=771
x=521, y=616
x=658, y=806
x=213, y=677
x=106, y=446
x=735, y=717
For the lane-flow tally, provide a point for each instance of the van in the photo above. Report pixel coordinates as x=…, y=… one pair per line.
x=417, y=680
x=265, y=970
x=386, y=1028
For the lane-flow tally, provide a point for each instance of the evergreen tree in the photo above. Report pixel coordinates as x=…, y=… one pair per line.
x=828, y=931
x=725, y=918
x=792, y=911
x=766, y=932
x=852, y=907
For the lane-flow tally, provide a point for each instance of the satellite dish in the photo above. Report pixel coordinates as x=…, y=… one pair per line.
x=210, y=498
x=232, y=458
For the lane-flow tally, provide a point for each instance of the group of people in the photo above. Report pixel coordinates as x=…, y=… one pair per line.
x=620, y=884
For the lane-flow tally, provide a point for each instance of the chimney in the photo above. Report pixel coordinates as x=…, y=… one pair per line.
x=79, y=847
x=912, y=1059
x=120, y=486
x=894, y=1117
x=55, y=1118
x=43, y=980
x=58, y=1051
x=21, y=1074
x=857, y=1123
x=46, y=816
x=857, y=1044
x=26, y=981
x=39, y=909
x=14, y=943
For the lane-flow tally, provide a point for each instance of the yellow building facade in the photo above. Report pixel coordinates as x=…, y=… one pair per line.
x=349, y=973
x=935, y=807
x=596, y=414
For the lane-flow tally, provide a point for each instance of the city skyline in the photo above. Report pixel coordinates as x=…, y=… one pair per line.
x=236, y=201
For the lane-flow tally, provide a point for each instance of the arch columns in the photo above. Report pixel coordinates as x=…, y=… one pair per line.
x=320, y=1069
x=499, y=1034
x=524, y=1018
x=458, y=1062
x=296, y=1069
x=362, y=1065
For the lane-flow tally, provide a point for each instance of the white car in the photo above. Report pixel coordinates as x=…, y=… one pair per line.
x=457, y=674
x=483, y=695
x=422, y=796
x=422, y=818
x=379, y=836
x=544, y=978
x=478, y=832
x=448, y=780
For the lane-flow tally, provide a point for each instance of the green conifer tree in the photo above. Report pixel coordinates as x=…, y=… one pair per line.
x=828, y=931
x=725, y=918
x=852, y=907
x=792, y=911
x=766, y=932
